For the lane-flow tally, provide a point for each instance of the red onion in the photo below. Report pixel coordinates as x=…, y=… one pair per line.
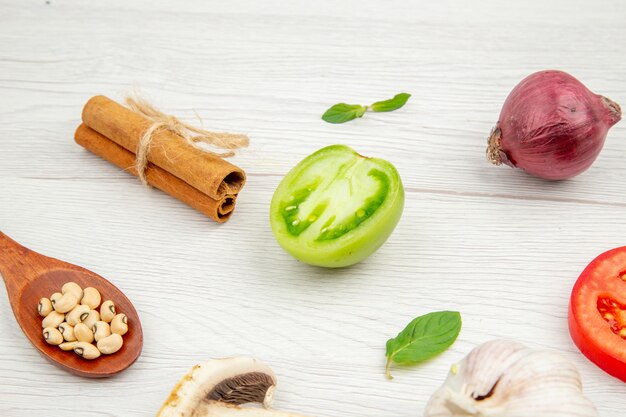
x=551, y=126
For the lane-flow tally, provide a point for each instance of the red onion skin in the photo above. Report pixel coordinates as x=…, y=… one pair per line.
x=552, y=126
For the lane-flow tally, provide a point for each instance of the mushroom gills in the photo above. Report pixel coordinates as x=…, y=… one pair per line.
x=241, y=389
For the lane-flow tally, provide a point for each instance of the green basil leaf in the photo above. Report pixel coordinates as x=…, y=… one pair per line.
x=392, y=104
x=425, y=337
x=342, y=112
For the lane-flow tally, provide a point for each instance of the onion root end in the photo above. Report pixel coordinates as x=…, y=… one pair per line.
x=615, y=111
x=494, y=152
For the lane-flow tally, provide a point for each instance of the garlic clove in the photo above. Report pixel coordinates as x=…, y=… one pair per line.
x=506, y=379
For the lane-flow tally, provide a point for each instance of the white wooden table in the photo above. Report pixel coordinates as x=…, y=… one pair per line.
x=502, y=248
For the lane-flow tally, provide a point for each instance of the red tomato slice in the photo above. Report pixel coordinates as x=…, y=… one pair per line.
x=597, y=312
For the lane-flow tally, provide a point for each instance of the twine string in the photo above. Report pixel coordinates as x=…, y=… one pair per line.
x=192, y=134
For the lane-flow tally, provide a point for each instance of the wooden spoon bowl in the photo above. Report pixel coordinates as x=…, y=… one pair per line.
x=29, y=276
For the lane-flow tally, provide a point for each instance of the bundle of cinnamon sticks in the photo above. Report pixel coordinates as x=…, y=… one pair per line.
x=203, y=180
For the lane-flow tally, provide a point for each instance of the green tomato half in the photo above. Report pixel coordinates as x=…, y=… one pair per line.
x=336, y=207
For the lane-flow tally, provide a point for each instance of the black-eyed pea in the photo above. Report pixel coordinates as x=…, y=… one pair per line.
x=72, y=287
x=101, y=330
x=66, y=302
x=54, y=297
x=68, y=332
x=107, y=311
x=68, y=345
x=83, y=333
x=73, y=317
x=53, y=319
x=45, y=306
x=119, y=324
x=90, y=318
x=83, y=316
x=52, y=336
x=110, y=344
x=91, y=298
x=86, y=350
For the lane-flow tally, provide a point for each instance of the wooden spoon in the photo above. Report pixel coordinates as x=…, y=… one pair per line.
x=29, y=276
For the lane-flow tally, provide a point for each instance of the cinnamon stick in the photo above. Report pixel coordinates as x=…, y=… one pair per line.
x=217, y=209
x=204, y=171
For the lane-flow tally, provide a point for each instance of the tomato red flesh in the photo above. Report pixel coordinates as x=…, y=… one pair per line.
x=597, y=312
x=614, y=313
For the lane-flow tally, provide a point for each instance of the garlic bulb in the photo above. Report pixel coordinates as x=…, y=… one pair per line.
x=505, y=379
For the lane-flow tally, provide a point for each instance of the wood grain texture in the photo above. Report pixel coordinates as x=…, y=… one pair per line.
x=497, y=245
x=29, y=276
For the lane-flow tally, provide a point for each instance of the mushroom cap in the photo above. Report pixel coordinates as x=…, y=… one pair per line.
x=219, y=409
x=236, y=380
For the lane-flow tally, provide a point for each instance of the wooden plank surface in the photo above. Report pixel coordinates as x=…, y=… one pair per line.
x=497, y=245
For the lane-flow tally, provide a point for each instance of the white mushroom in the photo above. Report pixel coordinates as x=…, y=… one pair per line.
x=221, y=409
x=218, y=387
x=505, y=379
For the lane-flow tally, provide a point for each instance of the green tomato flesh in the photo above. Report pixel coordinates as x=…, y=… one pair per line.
x=336, y=207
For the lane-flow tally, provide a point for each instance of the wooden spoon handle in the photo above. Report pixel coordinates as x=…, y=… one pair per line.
x=20, y=265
